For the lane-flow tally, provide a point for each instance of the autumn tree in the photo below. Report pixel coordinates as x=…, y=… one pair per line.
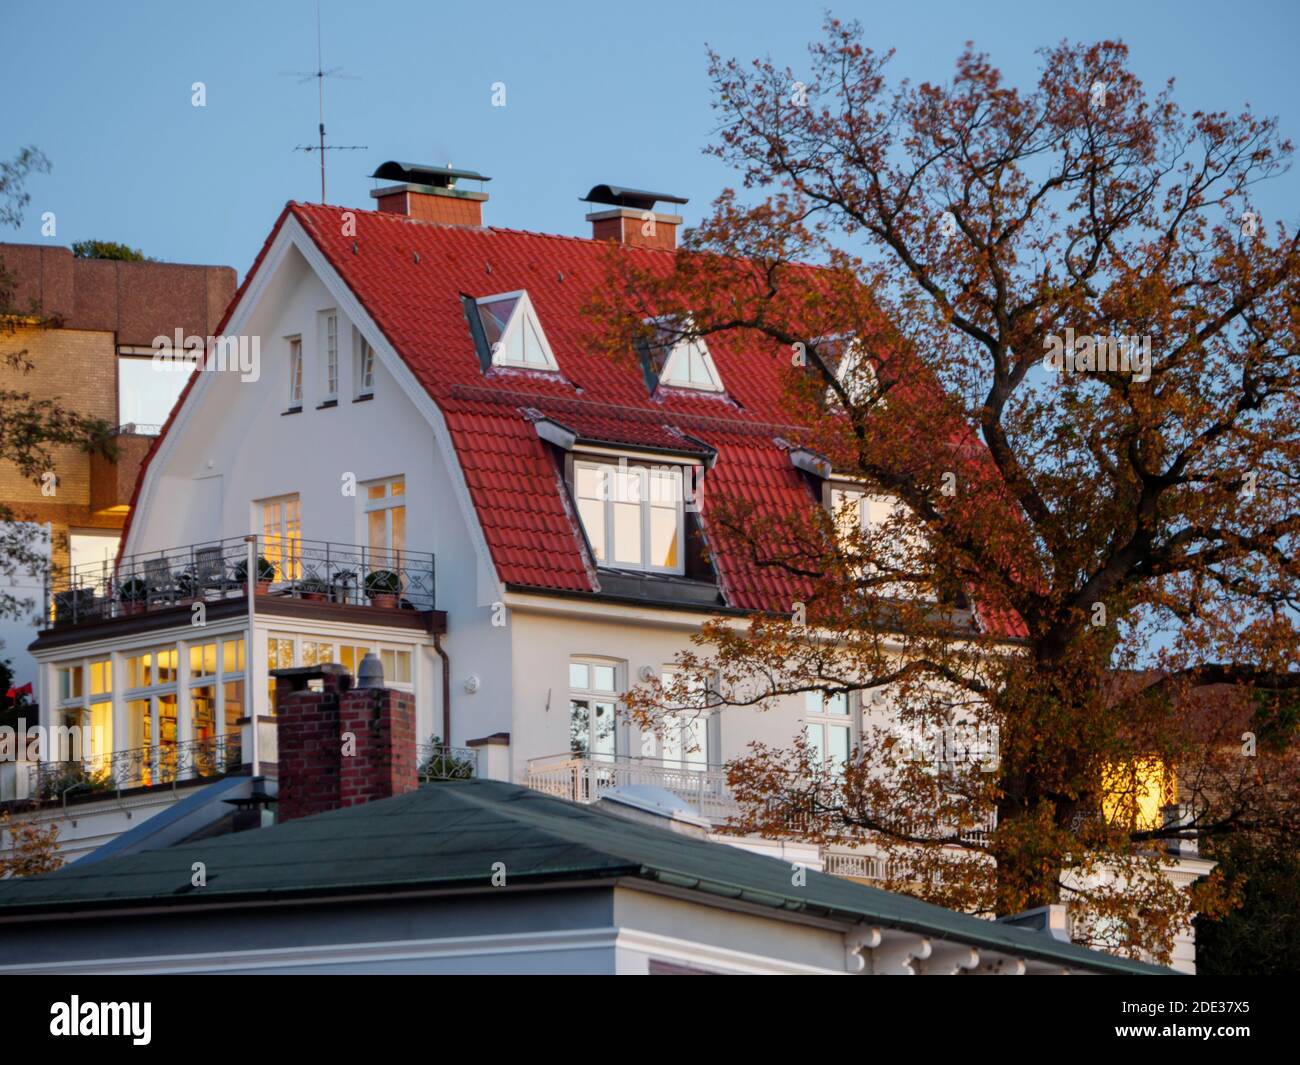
x=1050, y=340
x=27, y=848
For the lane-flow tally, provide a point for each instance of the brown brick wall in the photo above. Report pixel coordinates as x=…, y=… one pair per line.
x=314, y=772
x=449, y=210
x=78, y=369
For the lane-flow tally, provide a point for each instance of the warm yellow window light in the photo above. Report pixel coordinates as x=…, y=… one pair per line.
x=1136, y=792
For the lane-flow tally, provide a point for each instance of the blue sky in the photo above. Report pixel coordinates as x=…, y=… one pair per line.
x=594, y=93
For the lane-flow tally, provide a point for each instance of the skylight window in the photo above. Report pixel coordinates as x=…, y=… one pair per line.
x=512, y=332
x=681, y=361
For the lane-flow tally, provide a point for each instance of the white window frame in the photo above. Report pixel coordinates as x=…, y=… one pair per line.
x=295, y=372
x=682, y=349
x=523, y=311
x=290, y=558
x=593, y=695
x=675, y=751
x=363, y=370
x=329, y=347
x=816, y=716
x=387, y=504
x=646, y=504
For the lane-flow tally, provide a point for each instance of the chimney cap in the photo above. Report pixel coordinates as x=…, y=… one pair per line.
x=439, y=177
x=370, y=674
x=638, y=199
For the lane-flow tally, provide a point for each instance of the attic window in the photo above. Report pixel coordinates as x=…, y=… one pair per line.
x=680, y=361
x=512, y=332
x=844, y=355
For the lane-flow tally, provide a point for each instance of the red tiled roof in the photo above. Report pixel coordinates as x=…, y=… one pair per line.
x=409, y=276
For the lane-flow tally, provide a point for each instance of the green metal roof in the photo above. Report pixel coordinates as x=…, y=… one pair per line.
x=450, y=834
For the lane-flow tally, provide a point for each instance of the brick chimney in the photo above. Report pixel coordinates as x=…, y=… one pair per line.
x=631, y=218
x=340, y=745
x=430, y=193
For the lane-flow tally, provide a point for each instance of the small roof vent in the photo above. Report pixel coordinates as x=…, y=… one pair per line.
x=635, y=199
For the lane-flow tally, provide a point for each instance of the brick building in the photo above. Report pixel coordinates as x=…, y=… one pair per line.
x=97, y=361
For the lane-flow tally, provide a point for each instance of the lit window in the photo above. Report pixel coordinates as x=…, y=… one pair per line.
x=350, y=656
x=397, y=666
x=295, y=372
x=1136, y=794
x=514, y=335
x=593, y=701
x=315, y=653
x=203, y=660
x=232, y=656
x=682, y=361
x=828, y=727
x=384, y=506
x=282, y=535
x=634, y=516
x=101, y=678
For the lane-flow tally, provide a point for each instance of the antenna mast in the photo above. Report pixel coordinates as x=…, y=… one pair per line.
x=320, y=74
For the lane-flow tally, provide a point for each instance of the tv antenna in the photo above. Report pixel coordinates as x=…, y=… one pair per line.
x=320, y=74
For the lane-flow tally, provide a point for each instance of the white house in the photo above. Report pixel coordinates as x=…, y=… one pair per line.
x=424, y=453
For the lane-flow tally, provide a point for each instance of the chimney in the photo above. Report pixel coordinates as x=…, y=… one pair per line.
x=630, y=217
x=339, y=745
x=429, y=193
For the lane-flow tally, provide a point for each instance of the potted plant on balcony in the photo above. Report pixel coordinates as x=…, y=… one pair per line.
x=265, y=574
x=187, y=587
x=313, y=588
x=133, y=594
x=73, y=604
x=382, y=586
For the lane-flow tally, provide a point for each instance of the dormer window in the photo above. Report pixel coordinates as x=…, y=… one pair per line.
x=510, y=332
x=633, y=515
x=678, y=360
x=845, y=357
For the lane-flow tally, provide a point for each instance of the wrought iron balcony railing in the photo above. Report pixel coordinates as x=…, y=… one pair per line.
x=303, y=569
x=445, y=763
x=166, y=763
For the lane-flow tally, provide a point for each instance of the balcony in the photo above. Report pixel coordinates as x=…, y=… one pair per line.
x=445, y=763
x=142, y=767
x=306, y=571
x=586, y=778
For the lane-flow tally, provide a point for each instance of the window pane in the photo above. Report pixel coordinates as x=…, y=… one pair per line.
x=588, y=482
x=232, y=656
x=139, y=671
x=839, y=737
x=663, y=537
x=602, y=678
x=402, y=667
x=577, y=675
x=146, y=395
x=234, y=694
x=165, y=667
x=592, y=513
x=579, y=726
x=101, y=677
x=838, y=704
x=602, y=730
x=315, y=653
x=627, y=533
x=816, y=744
x=203, y=712
x=203, y=660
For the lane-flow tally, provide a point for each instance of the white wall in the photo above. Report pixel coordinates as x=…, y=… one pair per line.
x=234, y=444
